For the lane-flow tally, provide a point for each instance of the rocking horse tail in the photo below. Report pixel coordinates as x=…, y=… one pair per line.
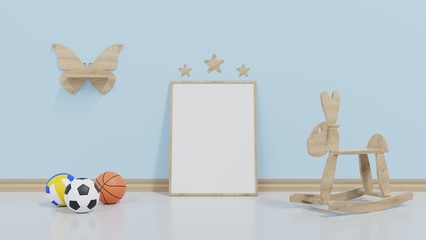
x=377, y=141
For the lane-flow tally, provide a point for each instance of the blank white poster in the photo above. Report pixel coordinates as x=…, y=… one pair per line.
x=213, y=138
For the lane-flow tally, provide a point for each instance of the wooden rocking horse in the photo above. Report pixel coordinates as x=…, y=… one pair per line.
x=325, y=139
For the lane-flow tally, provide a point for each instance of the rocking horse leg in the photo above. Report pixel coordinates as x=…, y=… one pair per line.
x=365, y=170
x=328, y=177
x=383, y=174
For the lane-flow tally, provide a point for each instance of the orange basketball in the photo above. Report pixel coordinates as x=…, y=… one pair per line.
x=111, y=186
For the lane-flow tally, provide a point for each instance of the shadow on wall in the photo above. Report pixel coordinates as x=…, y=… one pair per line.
x=163, y=155
x=68, y=104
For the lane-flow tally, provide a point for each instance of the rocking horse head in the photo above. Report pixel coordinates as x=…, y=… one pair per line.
x=325, y=136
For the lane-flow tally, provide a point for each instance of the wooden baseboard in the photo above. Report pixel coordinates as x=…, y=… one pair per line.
x=313, y=185
x=265, y=185
x=37, y=185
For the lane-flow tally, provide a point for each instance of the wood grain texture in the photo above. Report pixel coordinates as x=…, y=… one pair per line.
x=185, y=71
x=348, y=195
x=328, y=178
x=75, y=73
x=359, y=151
x=377, y=141
x=214, y=64
x=383, y=174
x=330, y=106
x=213, y=194
x=213, y=82
x=340, y=185
x=366, y=175
x=256, y=172
x=306, y=198
x=373, y=206
x=264, y=185
x=318, y=199
x=243, y=71
x=324, y=138
x=171, y=137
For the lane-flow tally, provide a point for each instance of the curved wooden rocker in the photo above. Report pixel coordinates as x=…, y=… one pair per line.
x=325, y=139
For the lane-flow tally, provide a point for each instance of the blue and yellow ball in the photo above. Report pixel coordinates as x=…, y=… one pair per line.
x=55, y=188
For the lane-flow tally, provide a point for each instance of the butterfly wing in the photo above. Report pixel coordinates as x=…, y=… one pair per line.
x=108, y=59
x=69, y=63
x=106, y=62
x=104, y=84
x=67, y=60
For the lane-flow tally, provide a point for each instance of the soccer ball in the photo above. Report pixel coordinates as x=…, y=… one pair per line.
x=55, y=188
x=82, y=195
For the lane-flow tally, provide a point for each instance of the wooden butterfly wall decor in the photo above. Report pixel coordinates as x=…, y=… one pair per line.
x=75, y=73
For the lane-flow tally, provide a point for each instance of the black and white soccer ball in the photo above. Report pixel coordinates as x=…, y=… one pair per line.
x=81, y=195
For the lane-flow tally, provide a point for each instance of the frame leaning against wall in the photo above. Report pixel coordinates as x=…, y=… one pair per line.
x=202, y=161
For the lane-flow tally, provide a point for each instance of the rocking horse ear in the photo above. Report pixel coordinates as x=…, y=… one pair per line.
x=331, y=106
x=325, y=97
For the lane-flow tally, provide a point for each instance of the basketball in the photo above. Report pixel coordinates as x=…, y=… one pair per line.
x=111, y=186
x=55, y=188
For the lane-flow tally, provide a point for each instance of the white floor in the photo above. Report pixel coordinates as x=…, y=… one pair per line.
x=153, y=216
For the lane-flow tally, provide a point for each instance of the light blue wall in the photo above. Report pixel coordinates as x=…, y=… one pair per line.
x=373, y=52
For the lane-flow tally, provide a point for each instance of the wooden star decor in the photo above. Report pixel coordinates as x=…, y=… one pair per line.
x=184, y=71
x=243, y=70
x=214, y=64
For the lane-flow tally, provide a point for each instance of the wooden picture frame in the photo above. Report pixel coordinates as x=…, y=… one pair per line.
x=203, y=160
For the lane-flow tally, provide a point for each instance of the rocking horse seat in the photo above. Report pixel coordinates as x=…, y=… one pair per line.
x=360, y=151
